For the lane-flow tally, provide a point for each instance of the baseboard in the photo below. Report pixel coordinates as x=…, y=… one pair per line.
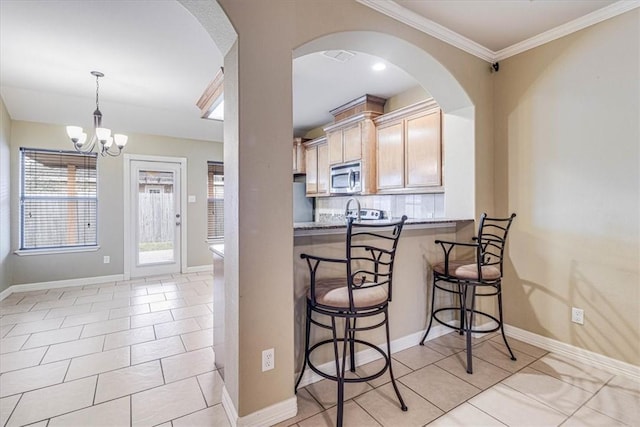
x=229, y=407
x=369, y=355
x=81, y=281
x=575, y=353
x=264, y=417
x=59, y=284
x=200, y=268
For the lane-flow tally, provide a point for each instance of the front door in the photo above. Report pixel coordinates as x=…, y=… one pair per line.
x=155, y=218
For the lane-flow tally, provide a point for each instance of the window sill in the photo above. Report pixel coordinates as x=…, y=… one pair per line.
x=217, y=240
x=51, y=251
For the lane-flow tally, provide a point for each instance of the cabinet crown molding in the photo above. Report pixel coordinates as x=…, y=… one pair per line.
x=367, y=115
x=364, y=103
x=316, y=141
x=421, y=106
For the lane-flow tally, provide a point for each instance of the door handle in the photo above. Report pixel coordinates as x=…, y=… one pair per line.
x=178, y=223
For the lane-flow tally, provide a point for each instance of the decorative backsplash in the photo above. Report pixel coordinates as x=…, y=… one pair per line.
x=412, y=205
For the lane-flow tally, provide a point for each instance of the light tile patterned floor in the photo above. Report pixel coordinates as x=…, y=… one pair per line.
x=539, y=389
x=139, y=353
x=134, y=353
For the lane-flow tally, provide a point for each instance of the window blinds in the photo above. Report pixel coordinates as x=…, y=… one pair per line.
x=215, y=200
x=58, y=199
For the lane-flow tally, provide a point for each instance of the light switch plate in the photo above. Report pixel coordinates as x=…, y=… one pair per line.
x=192, y=198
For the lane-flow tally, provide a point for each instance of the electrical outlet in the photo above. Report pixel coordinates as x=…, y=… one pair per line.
x=107, y=259
x=268, y=359
x=577, y=315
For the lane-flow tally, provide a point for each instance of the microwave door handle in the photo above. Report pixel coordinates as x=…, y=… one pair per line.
x=352, y=180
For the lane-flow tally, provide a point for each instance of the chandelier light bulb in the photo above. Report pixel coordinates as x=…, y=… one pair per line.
x=120, y=139
x=103, y=134
x=74, y=132
x=82, y=139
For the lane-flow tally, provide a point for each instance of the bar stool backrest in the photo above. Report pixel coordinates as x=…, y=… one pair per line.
x=492, y=237
x=371, y=251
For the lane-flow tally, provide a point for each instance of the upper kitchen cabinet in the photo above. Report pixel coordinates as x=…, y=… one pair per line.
x=317, y=167
x=299, y=163
x=353, y=128
x=352, y=137
x=409, y=149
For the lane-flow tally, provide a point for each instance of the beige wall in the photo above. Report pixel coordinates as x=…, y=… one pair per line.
x=406, y=98
x=5, y=201
x=258, y=270
x=43, y=268
x=567, y=161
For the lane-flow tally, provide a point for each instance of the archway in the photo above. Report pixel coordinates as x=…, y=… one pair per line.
x=458, y=109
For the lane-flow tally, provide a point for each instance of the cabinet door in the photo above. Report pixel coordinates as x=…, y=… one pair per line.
x=334, y=141
x=299, y=165
x=423, y=150
x=352, y=143
x=390, y=157
x=311, y=164
x=323, y=169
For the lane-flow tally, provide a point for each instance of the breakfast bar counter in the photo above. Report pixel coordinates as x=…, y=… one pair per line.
x=412, y=274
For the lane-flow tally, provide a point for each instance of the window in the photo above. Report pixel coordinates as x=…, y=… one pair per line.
x=215, y=200
x=58, y=199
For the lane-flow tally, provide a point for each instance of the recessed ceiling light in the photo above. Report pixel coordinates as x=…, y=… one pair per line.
x=379, y=66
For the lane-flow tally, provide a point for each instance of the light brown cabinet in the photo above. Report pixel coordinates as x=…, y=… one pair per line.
x=390, y=156
x=354, y=140
x=299, y=163
x=317, y=167
x=345, y=145
x=409, y=149
x=423, y=150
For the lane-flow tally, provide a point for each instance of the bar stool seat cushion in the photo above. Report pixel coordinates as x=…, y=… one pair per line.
x=334, y=293
x=467, y=270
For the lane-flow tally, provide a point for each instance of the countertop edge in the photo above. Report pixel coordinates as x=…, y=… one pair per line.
x=314, y=228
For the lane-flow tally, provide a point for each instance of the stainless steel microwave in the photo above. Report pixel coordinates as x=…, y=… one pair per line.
x=346, y=179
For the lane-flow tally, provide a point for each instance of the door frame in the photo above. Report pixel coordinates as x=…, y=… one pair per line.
x=127, y=241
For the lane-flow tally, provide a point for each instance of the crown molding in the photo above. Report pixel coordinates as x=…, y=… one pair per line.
x=408, y=17
x=578, y=24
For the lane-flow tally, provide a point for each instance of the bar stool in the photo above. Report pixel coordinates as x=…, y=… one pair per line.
x=470, y=279
x=363, y=292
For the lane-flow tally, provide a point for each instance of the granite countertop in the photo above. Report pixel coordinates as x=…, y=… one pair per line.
x=328, y=227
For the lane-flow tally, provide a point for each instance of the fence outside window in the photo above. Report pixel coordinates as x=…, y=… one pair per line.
x=58, y=199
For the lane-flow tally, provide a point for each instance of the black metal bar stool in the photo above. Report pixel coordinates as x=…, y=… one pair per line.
x=363, y=292
x=470, y=279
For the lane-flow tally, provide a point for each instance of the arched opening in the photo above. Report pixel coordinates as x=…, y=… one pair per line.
x=458, y=109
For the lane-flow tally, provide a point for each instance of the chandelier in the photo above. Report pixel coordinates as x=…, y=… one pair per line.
x=108, y=143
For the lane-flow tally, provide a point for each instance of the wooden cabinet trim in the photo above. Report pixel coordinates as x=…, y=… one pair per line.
x=316, y=141
x=367, y=115
x=403, y=113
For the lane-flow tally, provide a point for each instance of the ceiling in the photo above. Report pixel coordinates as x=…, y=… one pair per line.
x=158, y=60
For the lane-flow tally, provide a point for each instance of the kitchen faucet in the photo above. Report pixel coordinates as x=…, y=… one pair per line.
x=346, y=208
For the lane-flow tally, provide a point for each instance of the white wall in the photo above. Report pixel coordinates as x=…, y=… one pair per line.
x=41, y=268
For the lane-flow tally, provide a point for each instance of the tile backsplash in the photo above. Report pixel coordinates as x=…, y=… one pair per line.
x=412, y=205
